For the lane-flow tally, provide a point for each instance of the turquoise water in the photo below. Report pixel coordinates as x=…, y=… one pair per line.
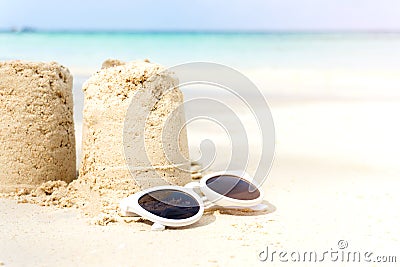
x=86, y=51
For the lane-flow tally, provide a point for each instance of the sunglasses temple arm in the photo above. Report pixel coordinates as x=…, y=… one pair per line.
x=126, y=209
x=157, y=227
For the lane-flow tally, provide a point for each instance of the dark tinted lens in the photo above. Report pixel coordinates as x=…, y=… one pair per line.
x=233, y=187
x=170, y=204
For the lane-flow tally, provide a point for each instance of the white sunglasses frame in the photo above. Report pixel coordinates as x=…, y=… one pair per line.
x=199, y=191
x=130, y=207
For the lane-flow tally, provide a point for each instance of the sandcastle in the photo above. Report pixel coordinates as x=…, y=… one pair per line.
x=118, y=98
x=37, y=139
x=133, y=135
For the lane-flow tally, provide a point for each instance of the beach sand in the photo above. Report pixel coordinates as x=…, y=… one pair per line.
x=335, y=177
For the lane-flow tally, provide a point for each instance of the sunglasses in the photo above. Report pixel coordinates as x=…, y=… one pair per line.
x=177, y=206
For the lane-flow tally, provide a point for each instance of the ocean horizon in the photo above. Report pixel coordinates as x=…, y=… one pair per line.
x=84, y=51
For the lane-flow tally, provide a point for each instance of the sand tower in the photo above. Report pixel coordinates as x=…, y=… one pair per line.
x=118, y=98
x=37, y=139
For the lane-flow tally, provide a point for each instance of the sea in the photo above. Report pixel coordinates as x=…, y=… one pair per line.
x=84, y=52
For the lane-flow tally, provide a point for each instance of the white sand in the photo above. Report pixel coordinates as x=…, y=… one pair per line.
x=335, y=176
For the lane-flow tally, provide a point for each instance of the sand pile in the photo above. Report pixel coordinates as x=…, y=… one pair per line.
x=115, y=163
x=37, y=139
x=126, y=135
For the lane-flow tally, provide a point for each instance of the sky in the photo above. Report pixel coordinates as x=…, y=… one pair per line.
x=202, y=15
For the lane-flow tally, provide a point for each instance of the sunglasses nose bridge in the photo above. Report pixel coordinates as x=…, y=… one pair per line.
x=194, y=186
